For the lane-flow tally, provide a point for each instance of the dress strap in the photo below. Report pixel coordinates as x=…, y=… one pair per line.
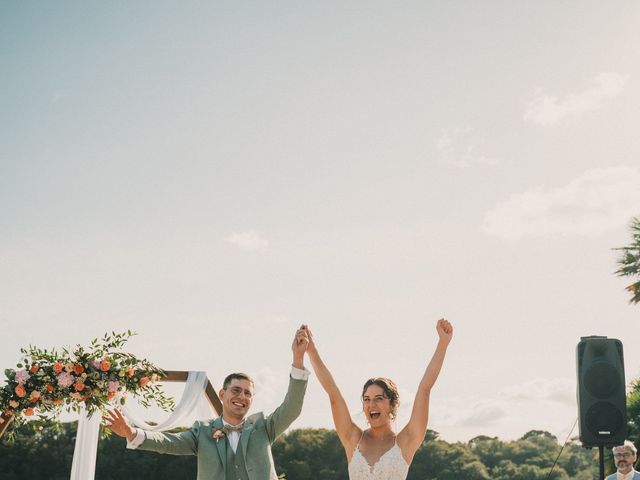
x=358, y=444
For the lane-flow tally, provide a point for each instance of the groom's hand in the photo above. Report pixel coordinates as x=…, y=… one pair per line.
x=299, y=346
x=116, y=422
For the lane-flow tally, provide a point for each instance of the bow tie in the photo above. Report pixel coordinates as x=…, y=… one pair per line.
x=233, y=428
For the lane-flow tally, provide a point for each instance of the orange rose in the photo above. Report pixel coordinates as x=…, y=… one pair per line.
x=144, y=381
x=58, y=401
x=57, y=367
x=75, y=395
x=34, y=368
x=28, y=412
x=20, y=391
x=78, y=369
x=110, y=395
x=131, y=371
x=35, y=396
x=49, y=387
x=105, y=365
x=13, y=404
x=78, y=386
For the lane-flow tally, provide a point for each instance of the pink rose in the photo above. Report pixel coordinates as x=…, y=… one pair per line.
x=112, y=386
x=65, y=379
x=22, y=376
x=144, y=381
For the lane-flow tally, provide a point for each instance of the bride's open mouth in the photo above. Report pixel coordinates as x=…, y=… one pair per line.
x=374, y=414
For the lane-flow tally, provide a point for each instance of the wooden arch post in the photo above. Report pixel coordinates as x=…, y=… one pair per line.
x=170, y=376
x=209, y=391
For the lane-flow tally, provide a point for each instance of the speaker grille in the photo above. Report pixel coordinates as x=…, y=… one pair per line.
x=601, y=379
x=604, y=419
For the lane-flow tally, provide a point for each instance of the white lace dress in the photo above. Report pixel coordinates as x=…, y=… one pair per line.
x=391, y=466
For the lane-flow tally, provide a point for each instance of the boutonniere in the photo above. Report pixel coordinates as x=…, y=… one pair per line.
x=218, y=433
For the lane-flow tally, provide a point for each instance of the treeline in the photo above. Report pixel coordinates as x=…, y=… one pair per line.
x=40, y=453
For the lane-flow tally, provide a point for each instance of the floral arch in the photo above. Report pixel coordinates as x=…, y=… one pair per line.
x=89, y=381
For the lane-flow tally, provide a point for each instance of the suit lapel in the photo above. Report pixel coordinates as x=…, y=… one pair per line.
x=247, y=430
x=221, y=443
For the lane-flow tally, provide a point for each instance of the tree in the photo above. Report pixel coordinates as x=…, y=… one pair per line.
x=629, y=261
x=40, y=453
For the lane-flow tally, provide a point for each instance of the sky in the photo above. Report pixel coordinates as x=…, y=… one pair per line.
x=212, y=175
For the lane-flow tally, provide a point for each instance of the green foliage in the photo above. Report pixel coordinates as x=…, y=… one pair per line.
x=629, y=261
x=303, y=454
x=42, y=452
x=633, y=412
x=48, y=381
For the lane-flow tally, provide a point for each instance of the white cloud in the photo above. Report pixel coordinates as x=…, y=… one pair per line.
x=508, y=406
x=598, y=200
x=58, y=96
x=249, y=240
x=279, y=319
x=466, y=411
x=548, y=110
x=270, y=388
x=459, y=147
x=561, y=390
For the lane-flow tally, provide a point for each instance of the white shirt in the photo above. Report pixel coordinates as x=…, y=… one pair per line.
x=619, y=476
x=234, y=437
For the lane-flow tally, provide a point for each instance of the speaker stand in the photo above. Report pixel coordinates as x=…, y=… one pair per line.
x=601, y=455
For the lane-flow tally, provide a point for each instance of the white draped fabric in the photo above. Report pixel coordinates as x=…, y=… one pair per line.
x=192, y=401
x=84, y=454
x=193, y=394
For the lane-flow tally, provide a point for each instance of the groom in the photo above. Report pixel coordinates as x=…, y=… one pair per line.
x=234, y=446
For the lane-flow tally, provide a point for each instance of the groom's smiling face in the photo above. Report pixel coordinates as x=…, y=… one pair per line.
x=236, y=399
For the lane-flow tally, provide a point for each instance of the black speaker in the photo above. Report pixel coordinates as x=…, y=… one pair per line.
x=602, y=407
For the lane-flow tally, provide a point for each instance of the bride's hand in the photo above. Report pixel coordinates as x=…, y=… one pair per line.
x=312, y=346
x=445, y=330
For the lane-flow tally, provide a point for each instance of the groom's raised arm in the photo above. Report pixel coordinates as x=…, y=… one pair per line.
x=291, y=406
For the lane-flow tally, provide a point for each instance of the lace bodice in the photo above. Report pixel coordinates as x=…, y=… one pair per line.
x=391, y=466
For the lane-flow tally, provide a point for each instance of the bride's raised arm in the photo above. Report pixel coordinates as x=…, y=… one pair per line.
x=412, y=435
x=348, y=432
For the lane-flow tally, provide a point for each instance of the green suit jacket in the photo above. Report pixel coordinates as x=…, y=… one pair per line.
x=256, y=439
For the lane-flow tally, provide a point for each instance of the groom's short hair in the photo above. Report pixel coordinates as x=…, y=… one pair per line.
x=239, y=376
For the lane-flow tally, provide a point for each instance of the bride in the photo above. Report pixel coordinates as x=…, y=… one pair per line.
x=377, y=453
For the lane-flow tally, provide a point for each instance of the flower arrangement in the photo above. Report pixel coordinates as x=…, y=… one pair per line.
x=47, y=382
